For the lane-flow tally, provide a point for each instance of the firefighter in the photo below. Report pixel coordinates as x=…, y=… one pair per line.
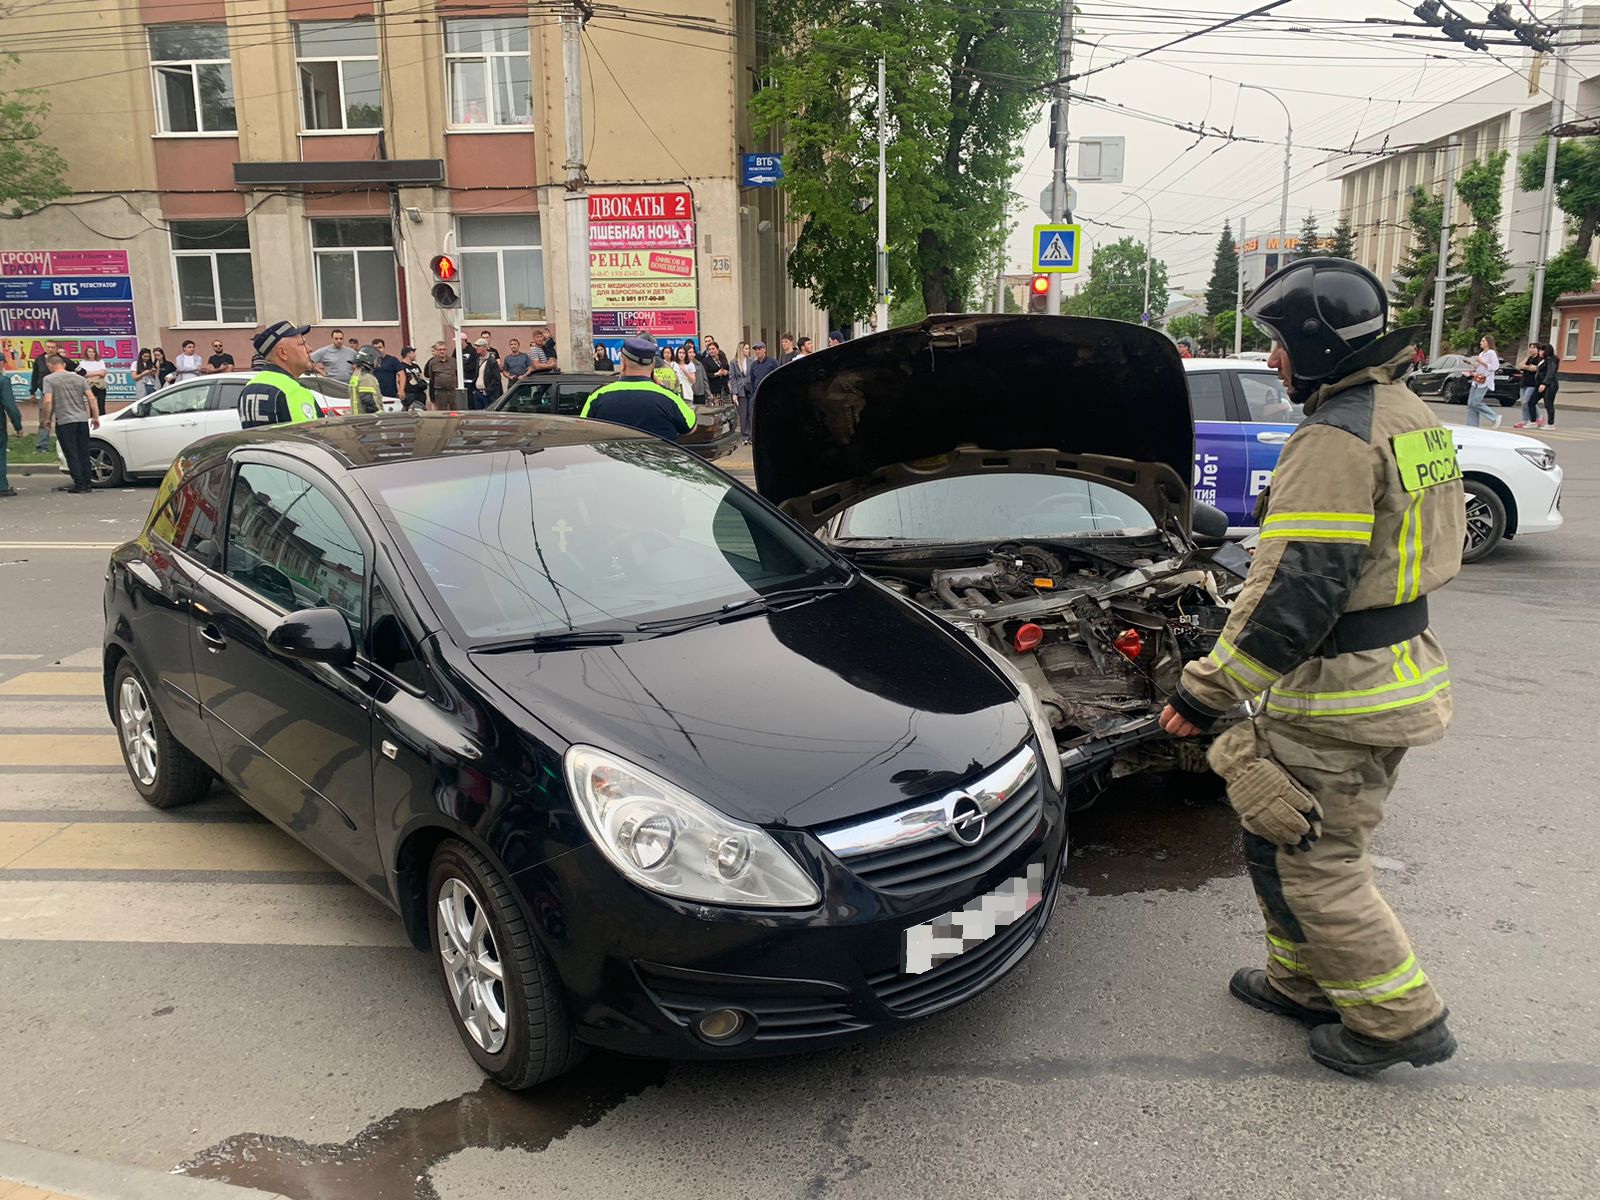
x=365, y=395
x=275, y=395
x=1366, y=518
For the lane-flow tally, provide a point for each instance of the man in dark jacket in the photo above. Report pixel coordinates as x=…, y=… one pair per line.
x=637, y=400
x=760, y=369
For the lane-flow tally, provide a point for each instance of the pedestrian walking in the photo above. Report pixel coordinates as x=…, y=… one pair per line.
x=741, y=387
x=366, y=397
x=1549, y=384
x=636, y=400
x=715, y=364
x=335, y=360
x=219, y=361
x=415, y=395
x=41, y=369
x=188, y=362
x=1528, y=385
x=145, y=377
x=69, y=408
x=388, y=369
x=10, y=415
x=275, y=395
x=1365, y=518
x=1484, y=368
x=439, y=373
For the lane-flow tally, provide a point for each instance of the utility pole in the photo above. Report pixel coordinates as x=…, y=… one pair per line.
x=1288, y=153
x=883, y=195
x=580, y=353
x=463, y=396
x=1547, y=208
x=1059, y=212
x=1441, y=275
x=1238, y=296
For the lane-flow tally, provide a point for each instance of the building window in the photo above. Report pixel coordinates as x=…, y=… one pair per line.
x=193, y=79
x=502, y=268
x=1571, y=350
x=355, y=271
x=339, y=84
x=211, y=263
x=1594, y=344
x=489, y=72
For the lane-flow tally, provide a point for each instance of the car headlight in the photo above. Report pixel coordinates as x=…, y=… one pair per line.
x=666, y=841
x=1540, y=456
x=1035, y=711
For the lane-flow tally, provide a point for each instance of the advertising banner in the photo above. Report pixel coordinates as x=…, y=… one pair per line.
x=642, y=269
x=664, y=323
x=74, y=298
x=640, y=264
x=635, y=235
x=610, y=294
x=641, y=206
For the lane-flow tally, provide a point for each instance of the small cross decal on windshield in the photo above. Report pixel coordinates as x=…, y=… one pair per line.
x=561, y=529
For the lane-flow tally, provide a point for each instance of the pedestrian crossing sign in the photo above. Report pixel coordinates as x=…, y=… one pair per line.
x=1055, y=248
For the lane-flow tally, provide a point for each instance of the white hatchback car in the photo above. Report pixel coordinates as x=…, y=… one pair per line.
x=1242, y=418
x=141, y=440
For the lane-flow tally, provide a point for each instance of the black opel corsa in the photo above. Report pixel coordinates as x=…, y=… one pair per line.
x=641, y=764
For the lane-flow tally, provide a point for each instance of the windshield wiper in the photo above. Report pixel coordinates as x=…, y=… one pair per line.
x=563, y=639
x=743, y=608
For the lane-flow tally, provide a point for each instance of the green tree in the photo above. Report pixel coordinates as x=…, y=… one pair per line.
x=964, y=84
x=1309, y=237
x=1577, y=182
x=1420, y=269
x=1344, y=240
x=1565, y=272
x=1223, y=287
x=1116, y=282
x=1251, y=337
x=31, y=169
x=1190, y=325
x=1482, y=258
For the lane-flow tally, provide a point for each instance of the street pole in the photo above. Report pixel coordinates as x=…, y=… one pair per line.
x=463, y=397
x=1288, y=154
x=1149, y=249
x=1547, y=209
x=1238, y=296
x=1059, y=212
x=580, y=353
x=1441, y=275
x=883, y=196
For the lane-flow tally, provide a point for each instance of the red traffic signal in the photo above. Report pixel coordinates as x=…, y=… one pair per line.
x=1040, y=285
x=444, y=268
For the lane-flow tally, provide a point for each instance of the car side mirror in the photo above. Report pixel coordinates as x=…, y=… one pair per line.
x=314, y=635
x=1209, y=525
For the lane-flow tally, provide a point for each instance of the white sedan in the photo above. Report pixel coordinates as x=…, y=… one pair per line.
x=141, y=440
x=1243, y=418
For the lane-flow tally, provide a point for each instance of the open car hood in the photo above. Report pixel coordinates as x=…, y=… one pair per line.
x=971, y=394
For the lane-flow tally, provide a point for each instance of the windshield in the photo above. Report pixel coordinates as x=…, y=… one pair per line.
x=591, y=536
x=978, y=508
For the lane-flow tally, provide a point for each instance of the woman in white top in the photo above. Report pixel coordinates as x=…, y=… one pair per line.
x=687, y=369
x=93, y=370
x=1483, y=370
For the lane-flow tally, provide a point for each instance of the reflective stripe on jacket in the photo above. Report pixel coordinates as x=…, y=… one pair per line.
x=365, y=396
x=1366, y=511
x=641, y=404
x=275, y=397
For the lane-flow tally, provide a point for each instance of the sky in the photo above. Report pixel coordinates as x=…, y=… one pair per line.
x=1341, y=79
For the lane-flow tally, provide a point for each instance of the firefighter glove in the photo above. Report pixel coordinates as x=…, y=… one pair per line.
x=1269, y=802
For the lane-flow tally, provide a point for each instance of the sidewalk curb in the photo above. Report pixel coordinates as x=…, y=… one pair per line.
x=100, y=1179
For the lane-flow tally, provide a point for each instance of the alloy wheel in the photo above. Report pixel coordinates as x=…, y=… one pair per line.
x=472, y=966
x=101, y=468
x=1480, y=523
x=137, y=725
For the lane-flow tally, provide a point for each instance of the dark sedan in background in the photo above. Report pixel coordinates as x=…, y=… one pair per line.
x=643, y=764
x=716, y=429
x=1448, y=378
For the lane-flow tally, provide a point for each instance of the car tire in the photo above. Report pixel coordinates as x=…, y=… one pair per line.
x=105, y=466
x=161, y=768
x=498, y=982
x=1454, y=392
x=1486, y=521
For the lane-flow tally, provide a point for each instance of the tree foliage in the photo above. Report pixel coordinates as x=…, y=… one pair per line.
x=1116, y=282
x=1222, y=290
x=1419, y=271
x=1250, y=335
x=1577, y=182
x=1189, y=325
x=1309, y=237
x=1565, y=272
x=31, y=169
x=1344, y=240
x=1482, y=258
x=963, y=86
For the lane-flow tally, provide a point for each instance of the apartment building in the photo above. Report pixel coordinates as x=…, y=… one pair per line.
x=233, y=162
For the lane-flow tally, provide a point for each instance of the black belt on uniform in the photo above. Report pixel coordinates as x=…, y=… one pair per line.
x=1374, y=628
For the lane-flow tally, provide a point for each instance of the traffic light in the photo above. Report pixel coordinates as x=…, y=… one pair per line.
x=1038, y=289
x=446, y=275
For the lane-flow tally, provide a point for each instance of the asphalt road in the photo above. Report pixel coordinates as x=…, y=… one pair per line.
x=193, y=989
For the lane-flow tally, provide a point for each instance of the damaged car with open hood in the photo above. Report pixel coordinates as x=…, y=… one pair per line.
x=1028, y=480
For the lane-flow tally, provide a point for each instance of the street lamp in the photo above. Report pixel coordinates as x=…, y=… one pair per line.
x=1288, y=146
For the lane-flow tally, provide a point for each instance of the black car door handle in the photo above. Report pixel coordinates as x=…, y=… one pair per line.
x=214, y=640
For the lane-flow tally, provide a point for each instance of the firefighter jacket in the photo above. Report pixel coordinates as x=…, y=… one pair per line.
x=365, y=396
x=1366, y=518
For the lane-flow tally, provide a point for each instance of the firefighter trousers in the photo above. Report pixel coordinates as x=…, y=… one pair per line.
x=1332, y=941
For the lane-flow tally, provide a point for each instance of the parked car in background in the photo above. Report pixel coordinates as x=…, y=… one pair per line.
x=1243, y=417
x=1448, y=377
x=716, y=428
x=141, y=440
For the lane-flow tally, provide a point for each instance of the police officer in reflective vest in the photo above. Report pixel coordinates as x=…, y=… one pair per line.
x=1366, y=517
x=275, y=396
x=637, y=400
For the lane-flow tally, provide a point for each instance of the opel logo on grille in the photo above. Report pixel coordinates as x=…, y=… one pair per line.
x=967, y=821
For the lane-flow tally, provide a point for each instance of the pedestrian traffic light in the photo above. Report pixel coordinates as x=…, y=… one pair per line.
x=446, y=275
x=1038, y=290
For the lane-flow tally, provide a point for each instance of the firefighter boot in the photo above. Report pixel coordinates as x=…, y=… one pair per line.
x=1354, y=1054
x=1250, y=985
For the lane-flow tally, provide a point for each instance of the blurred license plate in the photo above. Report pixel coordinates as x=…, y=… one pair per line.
x=925, y=946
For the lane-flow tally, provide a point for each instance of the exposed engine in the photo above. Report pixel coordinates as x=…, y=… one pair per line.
x=1101, y=641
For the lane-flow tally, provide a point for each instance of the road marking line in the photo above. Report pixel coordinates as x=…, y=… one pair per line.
x=239, y=914
x=54, y=683
x=57, y=749
x=153, y=846
x=22, y=791
x=93, y=657
x=59, y=545
x=18, y=657
x=26, y=713
x=10, y=1189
